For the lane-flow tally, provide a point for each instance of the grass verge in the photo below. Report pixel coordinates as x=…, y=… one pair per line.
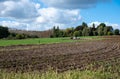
x=74, y=74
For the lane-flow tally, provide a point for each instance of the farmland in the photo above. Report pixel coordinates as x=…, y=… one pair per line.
x=42, y=41
x=103, y=55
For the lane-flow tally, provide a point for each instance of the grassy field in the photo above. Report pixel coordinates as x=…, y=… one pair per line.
x=74, y=74
x=41, y=41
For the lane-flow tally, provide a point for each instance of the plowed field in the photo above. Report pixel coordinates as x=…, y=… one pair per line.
x=61, y=56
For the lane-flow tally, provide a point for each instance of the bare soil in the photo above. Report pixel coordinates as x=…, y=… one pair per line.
x=61, y=56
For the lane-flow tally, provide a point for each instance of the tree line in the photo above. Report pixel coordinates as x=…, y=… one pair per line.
x=4, y=33
x=83, y=30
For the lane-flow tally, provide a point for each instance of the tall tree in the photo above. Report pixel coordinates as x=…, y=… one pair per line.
x=85, y=31
x=107, y=29
x=90, y=31
x=4, y=32
x=100, y=29
x=84, y=25
x=56, y=31
x=116, y=31
x=95, y=33
x=80, y=32
x=70, y=31
x=93, y=27
x=101, y=25
x=80, y=27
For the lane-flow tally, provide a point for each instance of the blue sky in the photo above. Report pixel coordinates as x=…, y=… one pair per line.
x=44, y=14
x=103, y=12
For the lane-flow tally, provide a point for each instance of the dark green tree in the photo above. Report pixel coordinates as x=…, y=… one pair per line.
x=100, y=29
x=116, y=31
x=80, y=32
x=90, y=31
x=72, y=31
x=69, y=31
x=107, y=29
x=84, y=25
x=93, y=27
x=80, y=27
x=61, y=33
x=56, y=31
x=4, y=32
x=101, y=25
x=85, y=31
x=95, y=33
x=65, y=34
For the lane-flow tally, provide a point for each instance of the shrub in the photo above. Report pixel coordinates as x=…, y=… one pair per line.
x=20, y=36
x=110, y=33
x=76, y=33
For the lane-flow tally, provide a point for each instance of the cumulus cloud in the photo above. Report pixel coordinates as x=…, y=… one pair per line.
x=22, y=9
x=48, y=17
x=29, y=15
x=72, y=4
x=115, y=26
x=7, y=0
x=14, y=25
x=53, y=15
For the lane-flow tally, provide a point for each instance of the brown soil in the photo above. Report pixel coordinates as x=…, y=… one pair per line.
x=63, y=56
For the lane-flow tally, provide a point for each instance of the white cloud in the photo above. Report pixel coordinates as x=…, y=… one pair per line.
x=53, y=15
x=37, y=6
x=115, y=26
x=14, y=25
x=96, y=23
x=26, y=14
x=22, y=9
x=8, y=0
x=72, y=4
x=50, y=17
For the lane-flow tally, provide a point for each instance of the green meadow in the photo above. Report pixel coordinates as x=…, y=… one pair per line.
x=5, y=42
